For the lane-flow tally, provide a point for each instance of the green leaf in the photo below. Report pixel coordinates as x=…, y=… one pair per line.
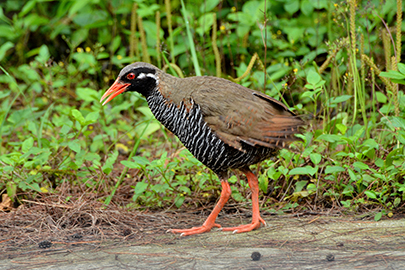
x=340, y=99
x=352, y=175
x=381, y=98
x=79, y=117
x=342, y=128
x=393, y=74
x=292, y=6
x=109, y=164
x=4, y=48
x=74, y=145
x=371, y=194
x=401, y=68
x=64, y=130
x=27, y=8
x=140, y=188
x=319, y=4
x=79, y=36
x=130, y=164
x=315, y=158
x=92, y=117
x=378, y=216
x=397, y=201
x=303, y=171
x=306, y=7
x=87, y=94
x=43, y=55
x=332, y=138
x=27, y=145
x=333, y=169
x=208, y=5
x=360, y=165
x=205, y=21
x=77, y=6
x=179, y=200
x=313, y=77
x=11, y=189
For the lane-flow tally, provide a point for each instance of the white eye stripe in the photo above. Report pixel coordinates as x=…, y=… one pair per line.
x=143, y=76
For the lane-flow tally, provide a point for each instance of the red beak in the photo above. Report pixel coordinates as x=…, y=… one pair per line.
x=115, y=89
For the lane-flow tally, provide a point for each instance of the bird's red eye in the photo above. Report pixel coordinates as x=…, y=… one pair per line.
x=131, y=76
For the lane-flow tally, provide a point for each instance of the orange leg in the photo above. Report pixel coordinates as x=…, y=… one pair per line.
x=210, y=222
x=256, y=219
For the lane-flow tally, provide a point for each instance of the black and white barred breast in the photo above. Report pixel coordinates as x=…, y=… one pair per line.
x=189, y=126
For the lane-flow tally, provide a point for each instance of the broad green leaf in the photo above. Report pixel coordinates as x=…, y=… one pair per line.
x=130, y=164
x=77, y=6
x=64, y=130
x=179, y=200
x=381, y=98
x=92, y=117
x=393, y=74
x=43, y=55
x=378, y=216
x=87, y=94
x=140, y=188
x=334, y=169
x=4, y=48
x=360, y=165
x=401, y=68
x=208, y=5
x=74, y=145
x=339, y=99
x=319, y=4
x=313, y=77
x=329, y=138
x=79, y=117
x=306, y=7
x=303, y=171
x=371, y=194
x=342, y=128
x=352, y=175
x=292, y=6
x=27, y=145
x=315, y=158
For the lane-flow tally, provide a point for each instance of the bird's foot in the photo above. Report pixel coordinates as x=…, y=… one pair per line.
x=195, y=230
x=247, y=227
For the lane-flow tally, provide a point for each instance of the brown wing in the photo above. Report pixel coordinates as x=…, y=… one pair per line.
x=238, y=114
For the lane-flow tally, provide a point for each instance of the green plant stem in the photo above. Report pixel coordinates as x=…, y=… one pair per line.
x=215, y=47
x=133, y=45
x=190, y=41
x=145, y=54
x=175, y=69
x=109, y=198
x=399, y=31
x=170, y=27
x=158, y=56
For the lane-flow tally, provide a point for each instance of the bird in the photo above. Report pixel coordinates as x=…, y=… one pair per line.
x=223, y=124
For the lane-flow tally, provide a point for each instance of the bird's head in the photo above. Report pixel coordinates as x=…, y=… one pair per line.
x=139, y=77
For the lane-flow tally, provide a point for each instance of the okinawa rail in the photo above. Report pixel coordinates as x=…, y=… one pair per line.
x=223, y=124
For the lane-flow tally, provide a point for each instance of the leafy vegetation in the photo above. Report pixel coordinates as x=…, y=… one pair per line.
x=336, y=63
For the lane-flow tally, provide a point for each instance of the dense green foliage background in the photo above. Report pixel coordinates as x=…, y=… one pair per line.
x=322, y=58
